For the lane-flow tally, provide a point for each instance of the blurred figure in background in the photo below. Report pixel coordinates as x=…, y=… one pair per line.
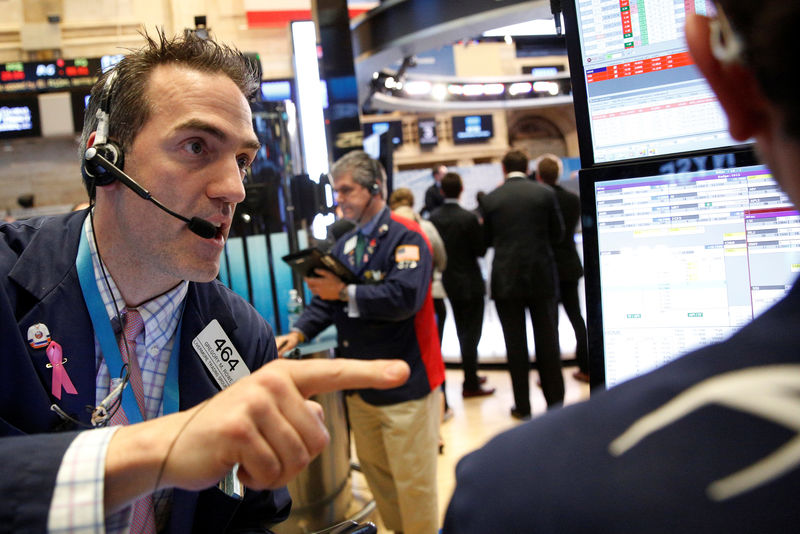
x=522, y=222
x=463, y=238
x=433, y=195
x=389, y=310
x=549, y=170
x=401, y=202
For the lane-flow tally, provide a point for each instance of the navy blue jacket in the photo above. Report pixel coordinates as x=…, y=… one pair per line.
x=39, y=284
x=395, y=307
x=726, y=407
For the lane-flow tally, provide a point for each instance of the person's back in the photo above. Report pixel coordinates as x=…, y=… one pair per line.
x=564, y=251
x=522, y=222
x=463, y=241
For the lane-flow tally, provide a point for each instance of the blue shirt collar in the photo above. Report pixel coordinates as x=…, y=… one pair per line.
x=367, y=228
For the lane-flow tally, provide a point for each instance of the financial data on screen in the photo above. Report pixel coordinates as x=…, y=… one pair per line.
x=688, y=258
x=645, y=96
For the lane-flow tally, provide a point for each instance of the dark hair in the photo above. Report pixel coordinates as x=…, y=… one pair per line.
x=452, y=185
x=768, y=29
x=129, y=105
x=435, y=169
x=515, y=161
x=548, y=168
x=364, y=170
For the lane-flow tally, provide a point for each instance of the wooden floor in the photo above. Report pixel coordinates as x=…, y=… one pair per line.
x=476, y=420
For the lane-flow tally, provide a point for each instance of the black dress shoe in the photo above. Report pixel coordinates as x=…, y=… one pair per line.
x=482, y=380
x=522, y=416
x=480, y=392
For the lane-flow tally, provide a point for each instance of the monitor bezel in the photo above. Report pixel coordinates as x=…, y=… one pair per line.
x=587, y=179
x=581, y=103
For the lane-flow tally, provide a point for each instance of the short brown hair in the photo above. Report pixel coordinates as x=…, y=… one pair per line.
x=515, y=161
x=548, y=169
x=129, y=106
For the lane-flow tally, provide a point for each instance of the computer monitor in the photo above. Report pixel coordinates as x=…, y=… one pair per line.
x=276, y=90
x=472, y=129
x=636, y=90
x=680, y=253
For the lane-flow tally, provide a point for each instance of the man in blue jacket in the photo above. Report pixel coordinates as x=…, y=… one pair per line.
x=709, y=442
x=112, y=316
x=388, y=312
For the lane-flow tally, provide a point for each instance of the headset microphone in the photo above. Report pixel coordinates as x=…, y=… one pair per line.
x=99, y=157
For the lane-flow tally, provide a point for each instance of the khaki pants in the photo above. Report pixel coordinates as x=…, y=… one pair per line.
x=397, y=448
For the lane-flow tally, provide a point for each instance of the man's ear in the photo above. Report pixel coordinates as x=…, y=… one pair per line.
x=734, y=84
x=90, y=141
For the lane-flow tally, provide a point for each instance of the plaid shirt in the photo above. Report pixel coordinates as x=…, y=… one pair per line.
x=77, y=504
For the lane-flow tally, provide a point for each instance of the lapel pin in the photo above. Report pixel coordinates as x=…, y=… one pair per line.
x=38, y=336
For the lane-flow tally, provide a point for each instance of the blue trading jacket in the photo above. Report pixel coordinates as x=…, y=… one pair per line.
x=395, y=307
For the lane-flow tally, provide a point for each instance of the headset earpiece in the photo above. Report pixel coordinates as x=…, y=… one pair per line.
x=375, y=188
x=95, y=174
x=726, y=45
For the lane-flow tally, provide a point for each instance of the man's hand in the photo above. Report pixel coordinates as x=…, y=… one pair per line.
x=326, y=286
x=287, y=342
x=262, y=422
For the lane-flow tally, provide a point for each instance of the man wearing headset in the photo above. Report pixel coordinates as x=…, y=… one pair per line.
x=389, y=311
x=174, y=117
x=709, y=442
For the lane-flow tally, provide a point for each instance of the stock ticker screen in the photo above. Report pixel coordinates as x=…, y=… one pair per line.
x=644, y=94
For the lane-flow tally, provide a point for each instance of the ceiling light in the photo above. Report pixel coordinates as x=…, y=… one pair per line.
x=494, y=88
x=546, y=87
x=473, y=89
x=520, y=88
x=439, y=91
x=418, y=87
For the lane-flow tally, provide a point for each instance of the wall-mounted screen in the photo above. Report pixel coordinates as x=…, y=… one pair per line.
x=427, y=132
x=636, y=90
x=276, y=90
x=19, y=117
x=80, y=101
x=680, y=253
x=394, y=129
x=472, y=129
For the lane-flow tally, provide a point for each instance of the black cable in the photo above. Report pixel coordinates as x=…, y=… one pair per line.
x=200, y=407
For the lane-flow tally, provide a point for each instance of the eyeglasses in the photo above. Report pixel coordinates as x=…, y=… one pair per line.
x=344, y=191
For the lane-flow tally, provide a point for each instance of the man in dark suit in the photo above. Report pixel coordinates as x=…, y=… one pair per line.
x=433, y=195
x=118, y=307
x=462, y=279
x=522, y=223
x=570, y=270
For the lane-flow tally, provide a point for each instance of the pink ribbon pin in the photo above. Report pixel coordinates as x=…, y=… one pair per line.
x=60, y=376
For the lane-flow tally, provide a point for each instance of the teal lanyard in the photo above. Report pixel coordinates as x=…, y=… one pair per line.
x=108, y=342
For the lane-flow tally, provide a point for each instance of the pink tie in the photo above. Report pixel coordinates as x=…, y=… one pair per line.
x=144, y=520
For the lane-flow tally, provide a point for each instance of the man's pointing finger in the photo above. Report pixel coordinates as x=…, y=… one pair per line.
x=321, y=376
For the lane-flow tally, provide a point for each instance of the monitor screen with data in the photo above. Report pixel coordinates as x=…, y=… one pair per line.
x=680, y=253
x=636, y=90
